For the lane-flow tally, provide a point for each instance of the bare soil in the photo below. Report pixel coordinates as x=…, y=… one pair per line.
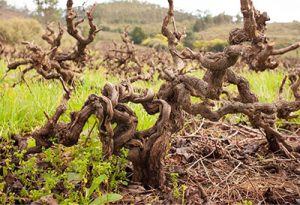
x=225, y=164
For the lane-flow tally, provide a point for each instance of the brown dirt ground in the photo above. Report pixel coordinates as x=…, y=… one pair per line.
x=225, y=164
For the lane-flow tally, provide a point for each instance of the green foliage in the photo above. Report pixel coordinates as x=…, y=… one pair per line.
x=222, y=18
x=117, y=172
x=174, y=179
x=199, y=25
x=189, y=39
x=216, y=45
x=47, y=10
x=28, y=108
x=107, y=198
x=178, y=191
x=77, y=170
x=31, y=143
x=137, y=35
x=14, y=31
x=102, y=198
x=95, y=184
x=246, y=202
x=3, y=3
x=86, y=179
x=205, y=20
x=159, y=42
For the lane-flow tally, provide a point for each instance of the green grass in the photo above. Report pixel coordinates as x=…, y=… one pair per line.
x=22, y=110
x=266, y=85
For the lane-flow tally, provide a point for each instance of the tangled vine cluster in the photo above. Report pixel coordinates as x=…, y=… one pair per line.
x=147, y=148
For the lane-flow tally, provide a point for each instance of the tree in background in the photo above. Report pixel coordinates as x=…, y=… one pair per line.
x=205, y=19
x=137, y=35
x=222, y=18
x=199, y=25
x=47, y=10
x=238, y=19
x=3, y=3
x=189, y=39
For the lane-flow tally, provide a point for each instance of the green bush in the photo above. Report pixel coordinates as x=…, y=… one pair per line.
x=14, y=31
x=158, y=42
x=138, y=35
x=189, y=39
x=199, y=25
x=216, y=45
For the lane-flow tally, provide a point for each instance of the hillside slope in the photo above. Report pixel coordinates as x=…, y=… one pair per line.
x=133, y=12
x=8, y=13
x=282, y=33
x=117, y=14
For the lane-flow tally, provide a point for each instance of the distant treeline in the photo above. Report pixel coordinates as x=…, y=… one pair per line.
x=205, y=20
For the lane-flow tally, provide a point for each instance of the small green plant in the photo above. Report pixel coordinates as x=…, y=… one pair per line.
x=247, y=202
x=102, y=198
x=216, y=45
x=178, y=191
x=174, y=179
x=183, y=189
